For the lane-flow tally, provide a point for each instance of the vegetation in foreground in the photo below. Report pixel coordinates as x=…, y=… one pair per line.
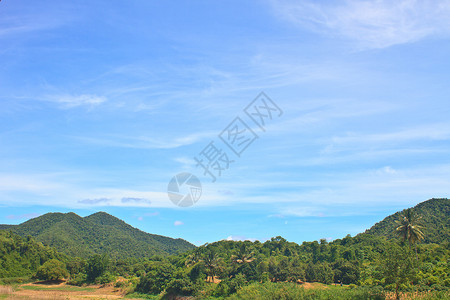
x=367, y=266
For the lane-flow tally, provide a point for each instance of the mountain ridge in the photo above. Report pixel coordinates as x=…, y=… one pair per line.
x=435, y=214
x=97, y=233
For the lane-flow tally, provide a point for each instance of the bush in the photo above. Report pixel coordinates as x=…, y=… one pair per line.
x=78, y=279
x=230, y=286
x=288, y=291
x=105, y=278
x=182, y=285
x=52, y=270
x=96, y=266
x=156, y=279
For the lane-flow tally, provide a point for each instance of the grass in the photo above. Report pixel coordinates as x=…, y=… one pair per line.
x=142, y=296
x=62, y=288
x=5, y=292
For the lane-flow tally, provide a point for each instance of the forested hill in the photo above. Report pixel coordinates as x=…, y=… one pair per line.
x=96, y=234
x=22, y=256
x=435, y=219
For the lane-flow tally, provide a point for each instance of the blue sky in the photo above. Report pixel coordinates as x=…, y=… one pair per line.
x=103, y=102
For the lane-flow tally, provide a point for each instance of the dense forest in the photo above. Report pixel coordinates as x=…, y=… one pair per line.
x=408, y=252
x=436, y=221
x=98, y=233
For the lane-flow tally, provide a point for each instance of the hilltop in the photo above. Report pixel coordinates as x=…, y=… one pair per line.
x=435, y=219
x=96, y=234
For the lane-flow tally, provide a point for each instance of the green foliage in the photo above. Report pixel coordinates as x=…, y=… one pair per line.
x=288, y=291
x=96, y=234
x=181, y=284
x=397, y=267
x=435, y=220
x=105, y=278
x=346, y=272
x=23, y=256
x=97, y=265
x=157, y=279
x=78, y=279
x=52, y=270
x=368, y=265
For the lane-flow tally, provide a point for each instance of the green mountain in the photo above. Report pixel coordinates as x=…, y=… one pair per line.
x=435, y=219
x=22, y=256
x=96, y=234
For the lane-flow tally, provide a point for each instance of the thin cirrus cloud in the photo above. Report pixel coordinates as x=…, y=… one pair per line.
x=23, y=216
x=96, y=201
x=371, y=24
x=178, y=223
x=242, y=238
x=71, y=101
x=144, y=141
x=128, y=200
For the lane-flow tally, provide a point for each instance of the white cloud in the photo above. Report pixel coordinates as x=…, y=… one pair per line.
x=371, y=24
x=70, y=101
x=388, y=141
x=148, y=142
x=178, y=223
x=23, y=216
x=240, y=238
x=33, y=183
x=386, y=170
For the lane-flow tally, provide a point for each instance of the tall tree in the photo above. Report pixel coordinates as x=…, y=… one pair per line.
x=396, y=266
x=212, y=262
x=243, y=255
x=409, y=228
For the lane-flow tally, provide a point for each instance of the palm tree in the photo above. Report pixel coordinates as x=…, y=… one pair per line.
x=193, y=258
x=409, y=228
x=212, y=262
x=243, y=256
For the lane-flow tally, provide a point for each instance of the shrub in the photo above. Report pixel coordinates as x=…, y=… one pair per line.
x=156, y=279
x=78, y=279
x=52, y=270
x=96, y=266
x=105, y=278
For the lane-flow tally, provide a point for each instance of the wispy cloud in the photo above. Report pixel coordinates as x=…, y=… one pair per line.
x=34, y=183
x=24, y=216
x=12, y=24
x=389, y=140
x=147, y=142
x=135, y=200
x=242, y=238
x=71, y=101
x=96, y=201
x=371, y=24
x=178, y=223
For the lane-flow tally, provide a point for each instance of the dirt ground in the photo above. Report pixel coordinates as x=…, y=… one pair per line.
x=44, y=291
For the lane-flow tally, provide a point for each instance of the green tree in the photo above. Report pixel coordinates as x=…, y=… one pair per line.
x=409, y=228
x=157, y=279
x=397, y=267
x=243, y=255
x=96, y=266
x=52, y=270
x=212, y=262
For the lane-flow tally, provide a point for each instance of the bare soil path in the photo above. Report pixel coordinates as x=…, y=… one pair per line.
x=60, y=291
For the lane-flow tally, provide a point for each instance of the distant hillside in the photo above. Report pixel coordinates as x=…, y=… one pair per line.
x=436, y=220
x=97, y=233
x=22, y=256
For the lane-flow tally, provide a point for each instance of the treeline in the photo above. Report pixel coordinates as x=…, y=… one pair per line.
x=23, y=256
x=98, y=233
x=223, y=268
x=368, y=265
x=435, y=220
x=364, y=260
